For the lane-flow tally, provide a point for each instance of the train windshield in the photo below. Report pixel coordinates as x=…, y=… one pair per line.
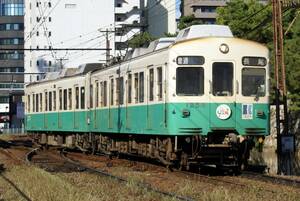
x=222, y=79
x=190, y=81
x=253, y=82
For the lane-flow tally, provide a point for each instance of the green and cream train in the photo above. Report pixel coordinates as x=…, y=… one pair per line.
x=200, y=98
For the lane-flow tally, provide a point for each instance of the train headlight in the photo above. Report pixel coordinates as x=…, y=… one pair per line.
x=224, y=48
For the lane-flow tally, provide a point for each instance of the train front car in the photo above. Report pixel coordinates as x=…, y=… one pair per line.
x=218, y=90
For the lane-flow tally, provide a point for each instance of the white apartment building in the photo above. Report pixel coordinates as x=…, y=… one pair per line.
x=65, y=24
x=80, y=24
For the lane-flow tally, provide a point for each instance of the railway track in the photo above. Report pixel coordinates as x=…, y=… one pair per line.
x=60, y=159
x=270, y=179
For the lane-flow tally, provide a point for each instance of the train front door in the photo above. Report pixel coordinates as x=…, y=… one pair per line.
x=222, y=96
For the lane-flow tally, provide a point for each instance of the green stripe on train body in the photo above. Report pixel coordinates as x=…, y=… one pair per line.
x=157, y=119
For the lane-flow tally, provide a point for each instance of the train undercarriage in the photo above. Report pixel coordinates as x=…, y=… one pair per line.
x=222, y=150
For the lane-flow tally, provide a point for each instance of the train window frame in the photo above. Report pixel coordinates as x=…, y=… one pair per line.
x=50, y=101
x=82, y=97
x=33, y=102
x=65, y=99
x=97, y=94
x=60, y=101
x=185, y=60
x=120, y=91
x=105, y=93
x=70, y=97
x=46, y=101
x=54, y=100
x=215, y=82
x=111, y=94
x=91, y=96
x=117, y=101
x=136, y=87
x=180, y=72
x=256, y=65
x=77, y=97
x=151, y=84
x=129, y=88
x=41, y=102
x=257, y=94
x=37, y=102
x=28, y=103
x=141, y=87
x=159, y=81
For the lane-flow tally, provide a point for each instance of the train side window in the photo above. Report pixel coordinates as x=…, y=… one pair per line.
x=97, y=95
x=91, y=96
x=60, y=99
x=65, y=99
x=159, y=83
x=50, y=101
x=82, y=98
x=77, y=97
x=112, y=92
x=136, y=87
x=37, y=102
x=28, y=103
x=129, y=84
x=119, y=91
x=141, y=87
x=46, y=101
x=151, y=85
x=222, y=79
x=33, y=102
x=54, y=100
x=105, y=93
x=70, y=98
x=41, y=102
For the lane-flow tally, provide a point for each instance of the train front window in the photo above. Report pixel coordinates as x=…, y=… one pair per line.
x=189, y=81
x=222, y=79
x=253, y=82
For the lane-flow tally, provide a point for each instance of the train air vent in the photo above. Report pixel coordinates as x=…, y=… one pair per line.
x=190, y=130
x=255, y=131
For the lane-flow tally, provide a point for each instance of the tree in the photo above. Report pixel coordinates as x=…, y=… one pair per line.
x=140, y=40
x=247, y=19
x=186, y=21
x=252, y=20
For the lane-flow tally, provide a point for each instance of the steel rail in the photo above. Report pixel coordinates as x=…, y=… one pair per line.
x=139, y=184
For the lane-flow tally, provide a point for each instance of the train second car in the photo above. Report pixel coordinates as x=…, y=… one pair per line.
x=200, y=98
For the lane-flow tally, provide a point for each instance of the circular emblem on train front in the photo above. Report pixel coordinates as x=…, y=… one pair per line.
x=224, y=48
x=223, y=111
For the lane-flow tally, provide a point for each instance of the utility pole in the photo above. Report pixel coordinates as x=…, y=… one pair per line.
x=107, y=44
x=285, y=141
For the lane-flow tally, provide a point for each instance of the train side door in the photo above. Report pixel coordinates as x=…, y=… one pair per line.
x=222, y=96
x=77, y=104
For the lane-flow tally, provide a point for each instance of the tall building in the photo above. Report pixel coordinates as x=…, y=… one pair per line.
x=204, y=10
x=129, y=21
x=161, y=17
x=11, y=63
x=54, y=27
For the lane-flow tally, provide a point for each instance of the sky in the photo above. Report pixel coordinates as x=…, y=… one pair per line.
x=178, y=9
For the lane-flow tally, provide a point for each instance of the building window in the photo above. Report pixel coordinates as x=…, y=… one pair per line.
x=12, y=7
x=11, y=41
x=11, y=55
x=12, y=27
